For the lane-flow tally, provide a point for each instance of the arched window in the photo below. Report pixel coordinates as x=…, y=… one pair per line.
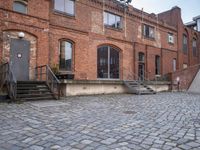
x=194, y=47
x=20, y=6
x=185, y=44
x=141, y=57
x=157, y=65
x=108, y=62
x=66, y=55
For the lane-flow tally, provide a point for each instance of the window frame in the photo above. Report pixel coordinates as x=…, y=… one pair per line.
x=144, y=31
x=142, y=56
x=185, y=51
x=72, y=55
x=109, y=47
x=194, y=48
x=22, y=2
x=157, y=65
x=170, y=35
x=174, y=64
x=63, y=12
x=106, y=24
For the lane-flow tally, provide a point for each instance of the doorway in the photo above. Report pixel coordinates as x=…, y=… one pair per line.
x=19, y=58
x=141, y=71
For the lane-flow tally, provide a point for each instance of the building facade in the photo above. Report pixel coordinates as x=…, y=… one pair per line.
x=94, y=39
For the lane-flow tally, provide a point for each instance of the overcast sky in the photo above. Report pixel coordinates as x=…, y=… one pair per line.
x=190, y=8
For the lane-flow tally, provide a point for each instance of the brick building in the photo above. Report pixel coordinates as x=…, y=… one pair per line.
x=94, y=39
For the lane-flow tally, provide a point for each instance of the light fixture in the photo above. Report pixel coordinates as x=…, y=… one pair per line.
x=178, y=79
x=21, y=35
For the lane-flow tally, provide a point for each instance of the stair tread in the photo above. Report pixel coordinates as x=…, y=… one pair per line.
x=34, y=90
x=136, y=88
x=38, y=98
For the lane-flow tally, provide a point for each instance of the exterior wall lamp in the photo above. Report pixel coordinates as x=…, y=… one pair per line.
x=21, y=35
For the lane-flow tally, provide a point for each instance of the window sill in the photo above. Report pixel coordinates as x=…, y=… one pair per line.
x=63, y=14
x=63, y=72
x=149, y=38
x=113, y=28
x=171, y=43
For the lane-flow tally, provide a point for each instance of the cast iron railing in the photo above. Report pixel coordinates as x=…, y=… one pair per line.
x=44, y=73
x=7, y=78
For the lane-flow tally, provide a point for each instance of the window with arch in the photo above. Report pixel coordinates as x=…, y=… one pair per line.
x=157, y=65
x=185, y=44
x=174, y=64
x=20, y=6
x=66, y=55
x=194, y=47
x=107, y=62
x=141, y=57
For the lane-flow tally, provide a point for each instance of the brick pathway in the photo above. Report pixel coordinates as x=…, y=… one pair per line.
x=120, y=122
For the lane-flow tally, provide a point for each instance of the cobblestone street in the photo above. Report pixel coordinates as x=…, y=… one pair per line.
x=120, y=122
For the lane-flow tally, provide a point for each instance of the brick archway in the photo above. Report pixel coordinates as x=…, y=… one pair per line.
x=13, y=34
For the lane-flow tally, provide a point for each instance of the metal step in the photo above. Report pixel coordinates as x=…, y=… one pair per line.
x=33, y=90
x=136, y=87
x=37, y=98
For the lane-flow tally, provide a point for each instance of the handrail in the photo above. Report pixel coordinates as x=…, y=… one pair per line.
x=7, y=78
x=44, y=73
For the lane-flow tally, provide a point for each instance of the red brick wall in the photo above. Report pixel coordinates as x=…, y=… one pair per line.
x=173, y=17
x=87, y=32
x=186, y=77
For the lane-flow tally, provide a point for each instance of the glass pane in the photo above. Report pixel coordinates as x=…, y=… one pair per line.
x=66, y=56
x=185, y=44
x=102, y=62
x=69, y=7
x=118, y=22
x=20, y=7
x=141, y=57
x=146, y=31
x=174, y=64
x=114, y=63
x=59, y=5
x=111, y=20
x=151, y=32
x=157, y=65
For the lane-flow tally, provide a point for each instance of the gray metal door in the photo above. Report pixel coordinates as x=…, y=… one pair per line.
x=19, y=58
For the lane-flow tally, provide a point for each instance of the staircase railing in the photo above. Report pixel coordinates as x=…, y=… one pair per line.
x=44, y=73
x=140, y=82
x=7, y=78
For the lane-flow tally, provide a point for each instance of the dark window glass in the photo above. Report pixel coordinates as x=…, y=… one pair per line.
x=66, y=50
x=194, y=47
x=108, y=62
x=102, y=64
x=114, y=63
x=66, y=6
x=20, y=6
x=141, y=57
x=148, y=31
x=185, y=45
x=112, y=20
x=157, y=65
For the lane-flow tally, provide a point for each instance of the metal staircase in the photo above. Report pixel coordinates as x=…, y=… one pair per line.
x=33, y=90
x=138, y=87
x=45, y=86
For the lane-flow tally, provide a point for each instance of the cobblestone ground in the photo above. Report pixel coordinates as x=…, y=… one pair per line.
x=120, y=122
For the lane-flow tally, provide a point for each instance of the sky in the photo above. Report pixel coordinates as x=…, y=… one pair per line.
x=189, y=8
